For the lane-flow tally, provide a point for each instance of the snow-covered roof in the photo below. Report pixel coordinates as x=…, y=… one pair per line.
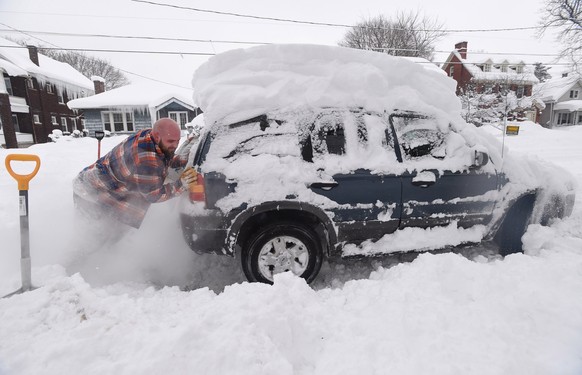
x=15, y=60
x=569, y=105
x=139, y=95
x=553, y=89
x=496, y=64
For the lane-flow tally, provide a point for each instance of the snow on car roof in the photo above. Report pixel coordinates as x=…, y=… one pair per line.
x=244, y=83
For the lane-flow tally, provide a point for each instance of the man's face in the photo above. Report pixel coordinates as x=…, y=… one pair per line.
x=169, y=144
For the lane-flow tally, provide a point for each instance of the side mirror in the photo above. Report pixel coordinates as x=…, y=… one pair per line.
x=481, y=159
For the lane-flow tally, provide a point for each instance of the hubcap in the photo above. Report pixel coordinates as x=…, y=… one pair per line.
x=282, y=254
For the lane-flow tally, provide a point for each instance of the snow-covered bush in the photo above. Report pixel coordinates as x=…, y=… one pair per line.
x=55, y=135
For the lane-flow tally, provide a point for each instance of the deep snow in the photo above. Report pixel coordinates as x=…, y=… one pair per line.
x=152, y=306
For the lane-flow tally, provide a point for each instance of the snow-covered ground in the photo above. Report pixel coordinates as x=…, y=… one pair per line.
x=152, y=306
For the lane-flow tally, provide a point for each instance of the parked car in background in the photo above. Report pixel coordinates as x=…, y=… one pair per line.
x=285, y=187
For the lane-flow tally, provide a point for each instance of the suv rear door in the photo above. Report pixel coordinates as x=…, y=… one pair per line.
x=367, y=200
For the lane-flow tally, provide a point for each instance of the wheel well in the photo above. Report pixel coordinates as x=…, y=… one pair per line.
x=514, y=224
x=303, y=217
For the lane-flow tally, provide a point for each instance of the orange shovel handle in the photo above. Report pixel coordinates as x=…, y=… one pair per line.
x=23, y=179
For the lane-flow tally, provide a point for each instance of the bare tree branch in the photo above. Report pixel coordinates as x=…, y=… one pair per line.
x=408, y=34
x=566, y=17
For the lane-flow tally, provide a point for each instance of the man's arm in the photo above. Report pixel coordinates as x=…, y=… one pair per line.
x=149, y=178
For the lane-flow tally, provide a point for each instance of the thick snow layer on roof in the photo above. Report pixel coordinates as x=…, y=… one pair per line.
x=569, y=105
x=134, y=96
x=472, y=63
x=554, y=88
x=61, y=74
x=247, y=82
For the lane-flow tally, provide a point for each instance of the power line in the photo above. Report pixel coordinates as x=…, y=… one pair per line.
x=135, y=37
x=122, y=70
x=473, y=52
x=151, y=52
x=326, y=23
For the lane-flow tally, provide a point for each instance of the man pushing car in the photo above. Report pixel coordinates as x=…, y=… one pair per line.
x=115, y=192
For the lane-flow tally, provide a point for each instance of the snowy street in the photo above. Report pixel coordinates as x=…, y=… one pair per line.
x=152, y=306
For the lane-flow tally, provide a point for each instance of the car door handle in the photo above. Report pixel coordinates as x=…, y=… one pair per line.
x=424, y=179
x=324, y=185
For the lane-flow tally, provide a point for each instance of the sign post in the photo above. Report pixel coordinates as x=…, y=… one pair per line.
x=99, y=134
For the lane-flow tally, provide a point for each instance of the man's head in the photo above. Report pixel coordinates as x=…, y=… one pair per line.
x=166, y=133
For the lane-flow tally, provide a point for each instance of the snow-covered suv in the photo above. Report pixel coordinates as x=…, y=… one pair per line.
x=284, y=183
x=285, y=189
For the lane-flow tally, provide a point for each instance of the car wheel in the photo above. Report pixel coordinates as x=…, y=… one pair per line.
x=282, y=247
x=514, y=225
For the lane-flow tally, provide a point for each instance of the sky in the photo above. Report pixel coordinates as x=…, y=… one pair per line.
x=139, y=19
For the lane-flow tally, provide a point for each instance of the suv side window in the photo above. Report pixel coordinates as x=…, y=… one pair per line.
x=330, y=135
x=418, y=136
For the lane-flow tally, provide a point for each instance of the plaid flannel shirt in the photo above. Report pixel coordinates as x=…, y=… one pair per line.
x=128, y=179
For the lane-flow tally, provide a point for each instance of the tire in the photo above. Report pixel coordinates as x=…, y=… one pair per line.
x=508, y=237
x=281, y=247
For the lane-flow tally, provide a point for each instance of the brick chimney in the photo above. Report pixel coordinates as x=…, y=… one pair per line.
x=99, y=84
x=462, y=48
x=33, y=54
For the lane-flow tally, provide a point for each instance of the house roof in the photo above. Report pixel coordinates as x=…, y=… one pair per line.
x=553, y=89
x=473, y=63
x=137, y=95
x=569, y=105
x=15, y=60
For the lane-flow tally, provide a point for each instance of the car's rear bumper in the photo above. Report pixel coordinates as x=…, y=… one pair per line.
x=205, y=234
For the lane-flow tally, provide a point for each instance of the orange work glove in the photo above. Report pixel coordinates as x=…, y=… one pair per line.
x=189, y=177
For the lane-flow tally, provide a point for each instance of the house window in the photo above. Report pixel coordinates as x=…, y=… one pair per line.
x=36, y=119
x=54, y=120
x=8, y=85
x=117, y=121
x=487, y=67
x=573, y=94
x=15, y=123
x=64, y=126
x=181, y=117
x=579, y=119
x=564, y=118
x=504, y=68
x=519, y=69
x=49, y=88
x=30, y=83
x=60, y=97
x=451, y=70
x=520, y=91
x=73, y=123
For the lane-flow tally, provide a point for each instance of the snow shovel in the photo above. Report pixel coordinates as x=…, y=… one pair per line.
x=23, y=180
x=99, y=135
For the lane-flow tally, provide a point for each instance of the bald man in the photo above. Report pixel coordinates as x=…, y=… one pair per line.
x=123, y=184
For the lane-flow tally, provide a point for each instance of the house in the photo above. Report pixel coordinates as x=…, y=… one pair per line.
x=562, y=97
x=134, y=107
x=491, y=74
x=34, y=95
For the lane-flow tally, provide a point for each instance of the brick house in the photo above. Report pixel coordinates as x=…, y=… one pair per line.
x=34, y=95
x=134, y=107
x=484, y=73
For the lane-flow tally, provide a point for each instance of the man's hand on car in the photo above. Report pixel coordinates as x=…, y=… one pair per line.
x=189, y=177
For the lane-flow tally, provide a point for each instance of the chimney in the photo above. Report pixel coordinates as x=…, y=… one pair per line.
x=99, y=84
x=33, y=54
x=462, y=48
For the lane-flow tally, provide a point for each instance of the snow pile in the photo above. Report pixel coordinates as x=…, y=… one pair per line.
x=245, y=83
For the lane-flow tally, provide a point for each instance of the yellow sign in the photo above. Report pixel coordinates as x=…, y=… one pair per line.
x=512, y=129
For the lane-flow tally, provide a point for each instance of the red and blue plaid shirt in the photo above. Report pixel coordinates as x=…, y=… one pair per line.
x=128, y=179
